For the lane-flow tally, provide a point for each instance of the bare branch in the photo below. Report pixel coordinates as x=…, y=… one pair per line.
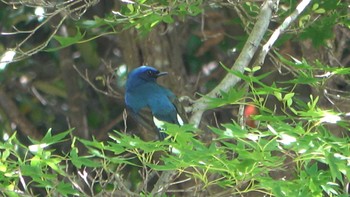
x=279, y=31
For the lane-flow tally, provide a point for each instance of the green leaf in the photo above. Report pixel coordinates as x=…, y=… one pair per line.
x=256, y=68
x=194, y=10
x=33, y=171
x=66, y=189
x=49, y=139
x=130, y=7
x=168, y=19
x=320, y=30
x=320, y=11
x=94, y=143
x=231, y=97
x=332, y=162
x=289, y=103
x=5, y=154
x=341, y=71
x=315, y=6
x=115, y=148
x=278, y=95
x=80, y=161
x=288, y=96
x=67, y=41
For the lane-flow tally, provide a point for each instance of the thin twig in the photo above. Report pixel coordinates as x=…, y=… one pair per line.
x=65, y=9
x=86, y=78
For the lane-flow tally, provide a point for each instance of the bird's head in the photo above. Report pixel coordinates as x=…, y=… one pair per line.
x=142, y=75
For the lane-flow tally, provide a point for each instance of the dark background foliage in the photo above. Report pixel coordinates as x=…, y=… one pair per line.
x=70, y=68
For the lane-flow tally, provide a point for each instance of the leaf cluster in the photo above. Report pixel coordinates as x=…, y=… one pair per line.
x=296, y=143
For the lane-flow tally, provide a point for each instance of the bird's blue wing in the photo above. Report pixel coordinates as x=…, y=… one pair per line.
x=180, y=111
x=150, y=103
x=144, y=118
x=167, y=108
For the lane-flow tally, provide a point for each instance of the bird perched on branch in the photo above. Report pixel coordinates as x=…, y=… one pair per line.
x=144, y=97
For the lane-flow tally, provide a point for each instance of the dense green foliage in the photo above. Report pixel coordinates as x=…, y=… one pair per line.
x=240, y=160
x=298, y=147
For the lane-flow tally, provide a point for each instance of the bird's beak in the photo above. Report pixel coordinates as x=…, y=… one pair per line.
x=162, y=74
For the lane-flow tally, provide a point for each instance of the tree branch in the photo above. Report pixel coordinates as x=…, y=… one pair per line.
x=76, y=97
x=243, y=60
x=278, y=32
x=14, y=115
x=163, y=183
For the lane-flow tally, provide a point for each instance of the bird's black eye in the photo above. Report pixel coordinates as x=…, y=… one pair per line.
x=149, y=73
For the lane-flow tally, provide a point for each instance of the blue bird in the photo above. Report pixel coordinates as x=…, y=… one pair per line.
x=143, y=92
